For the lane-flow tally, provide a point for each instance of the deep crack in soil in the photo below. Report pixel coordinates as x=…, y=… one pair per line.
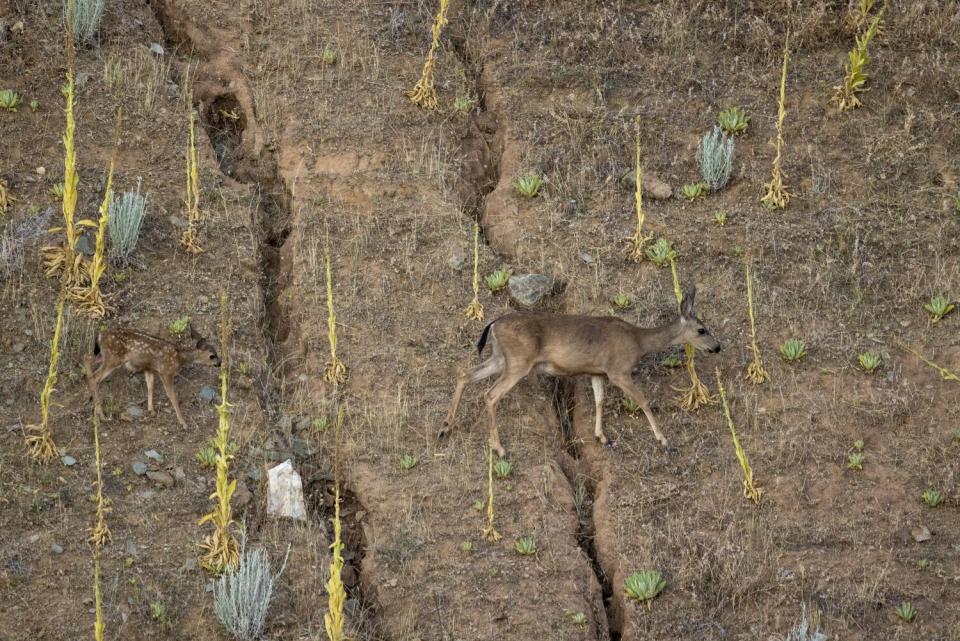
x=222, y=97
x=584, y=474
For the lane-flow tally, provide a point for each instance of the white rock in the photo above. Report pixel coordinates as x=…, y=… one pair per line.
x=285, y=492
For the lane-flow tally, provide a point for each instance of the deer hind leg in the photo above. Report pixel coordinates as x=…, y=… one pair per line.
x=491, y=366
x=508, y=379
x=94, y=379
x=630, y=389
x=148, y=376
x=172, y=395
x=597, y=383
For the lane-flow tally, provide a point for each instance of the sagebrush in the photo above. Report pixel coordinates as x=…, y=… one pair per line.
x=715, y=155
x=242, y=594
x=126, y=217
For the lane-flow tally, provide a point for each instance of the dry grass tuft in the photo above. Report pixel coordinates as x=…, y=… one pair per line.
x=474, y=310
x=777, y=196
x=636, y=244
x=755, y=372
x=190, y=238
x=39, y=439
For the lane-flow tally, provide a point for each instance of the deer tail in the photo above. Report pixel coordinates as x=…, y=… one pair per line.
x=483, y=337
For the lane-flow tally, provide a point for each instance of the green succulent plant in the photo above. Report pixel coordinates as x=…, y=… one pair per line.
x=463, y=104
x=720, y=218
x=629, y=406
x=502, y=468
x=578, y=618
x=497, y=280
x=923, y=564
x=906, y=611
x=621, y=301
x=694, y=191
x=793, y=350
x=9, y=99
x=525, y=545
x=858, y=445
x=56, y=190
x=329, y=55
x=644, y=585
x=932, y=497
x=407, y=462
x=34, y=104
x=466, y=546
x=321, y=424
x=207, y=456
x=733, y=120
x=938, y=307
x=855, y=461
x=869, y=361
x=179, y=326
x=661, y=252
x=672, y=360
x=528, y=186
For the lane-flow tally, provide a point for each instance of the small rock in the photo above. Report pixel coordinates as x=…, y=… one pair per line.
x=68, y=460
x=208, y=587
x=178, y=222
x=209, y=395
x=41, y=171
x=529, y=290
x=303, y=423
x=457, y=260
x=34, y=538
x=83, y=246
x=153, y=454
x=285, y=424
x=254, y=473
x=303, y=448
x=179, y=474
x=921, y=533
x=653, y=187
x=139, y=468
x=134, y=411
x=18, y=347
x=130, y=548
x=157, y=48
x=56, y=548
x=348, y=575
x=161, y=478
x=285, y=492
x=587, y=258
x=242, y=496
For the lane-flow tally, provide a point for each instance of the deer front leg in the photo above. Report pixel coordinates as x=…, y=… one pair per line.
x=626, y=384
x=93, y=381
x=148, y=375
x=172, y=395
x=597, y=383
x=489, y=367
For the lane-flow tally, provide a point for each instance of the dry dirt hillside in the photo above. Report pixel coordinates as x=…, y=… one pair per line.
x=308, y=142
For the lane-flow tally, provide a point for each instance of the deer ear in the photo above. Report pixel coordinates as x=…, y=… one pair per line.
x=686, y=306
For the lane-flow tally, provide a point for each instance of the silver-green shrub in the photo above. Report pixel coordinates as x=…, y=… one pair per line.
x=715, y=155
x=86, y=20
x=126, y=216
x=242, y=594
x=802, y=632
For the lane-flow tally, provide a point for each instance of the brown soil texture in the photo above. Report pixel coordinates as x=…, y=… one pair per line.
x=299, y=155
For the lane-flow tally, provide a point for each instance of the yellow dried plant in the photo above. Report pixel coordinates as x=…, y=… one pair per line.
x=336, y=593
x=190, y=238
x=945, y=374
x=776, y=195
x=755, y=372
x=697, y=395
x=846, y=95
x=87, y=296
x=336, y=371
x=751, y=490
x=99, y=533
x=423, y=93
x=221, y=548
x=474, y=310
x=6, y=198
x=64, y=258
x=39, y=438
x=636, y=244
x=490, y=533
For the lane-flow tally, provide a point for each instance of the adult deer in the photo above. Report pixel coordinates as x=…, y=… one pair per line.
x=140, y=352
x=562, y=345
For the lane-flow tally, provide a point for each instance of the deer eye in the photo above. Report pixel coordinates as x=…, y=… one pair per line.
x=702, y=330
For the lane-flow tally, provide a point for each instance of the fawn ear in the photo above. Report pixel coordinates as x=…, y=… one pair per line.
x=686, y=305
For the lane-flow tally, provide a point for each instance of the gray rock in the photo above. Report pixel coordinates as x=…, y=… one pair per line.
x=242, y=496
x=303, y=448
x=153, y=454
x=179, y=474
x=529, y=290
x=157, y=48
x=68, y=460
x=56, y=548
x=587, y=258
x=209, y=395
x=134, y=411
x=161, y=478
x=139, y=468
x=285, y=424
x=303, y=423
x=178, y=222
x=254, y=473
x=84, y=246
x=18, y=347
x=130, y=548
x=458, y=259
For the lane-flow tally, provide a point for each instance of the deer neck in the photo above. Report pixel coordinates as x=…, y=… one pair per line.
x=654, y=339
